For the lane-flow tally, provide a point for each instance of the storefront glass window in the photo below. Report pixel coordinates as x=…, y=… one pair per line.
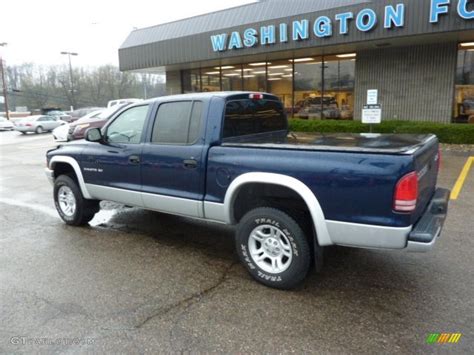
x=464, y=90
x=339, y=79
x=254, y=77
x=309, y=100
x=280, y=82
x=191, y=81
x=210, y=78
x=232, y=78
x=310, y=88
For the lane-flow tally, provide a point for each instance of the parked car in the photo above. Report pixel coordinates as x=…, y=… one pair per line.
x=5, y=125
x=61, y=133
x=122, y=101
x=63, y=116
x=319, y=108
x=228, y=158
x=77, y=130
x=37, y=124
x=80, y=113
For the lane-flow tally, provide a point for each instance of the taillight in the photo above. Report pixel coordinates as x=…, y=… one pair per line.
x=406, y=193
x=28, y=124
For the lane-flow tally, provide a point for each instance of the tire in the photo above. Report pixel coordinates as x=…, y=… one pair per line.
x=259, y=250
x=39, y=130
x=72, y=207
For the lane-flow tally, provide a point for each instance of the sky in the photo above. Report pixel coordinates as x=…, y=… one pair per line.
x=38, y=30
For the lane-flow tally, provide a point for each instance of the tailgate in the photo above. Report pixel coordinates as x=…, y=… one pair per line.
x=426, y=161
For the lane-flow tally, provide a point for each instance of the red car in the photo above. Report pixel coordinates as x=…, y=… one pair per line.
x=77, y=130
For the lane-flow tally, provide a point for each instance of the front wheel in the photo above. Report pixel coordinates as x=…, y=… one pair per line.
x=39, y=130
x=72, y=207
x=273, y=247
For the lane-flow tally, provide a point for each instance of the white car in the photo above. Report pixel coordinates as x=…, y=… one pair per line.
x=5, y=125
x=60, y=133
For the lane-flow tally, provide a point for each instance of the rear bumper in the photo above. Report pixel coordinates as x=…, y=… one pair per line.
x=428, y=229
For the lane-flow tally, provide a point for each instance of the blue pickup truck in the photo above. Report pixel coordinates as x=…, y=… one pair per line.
x=229, y=158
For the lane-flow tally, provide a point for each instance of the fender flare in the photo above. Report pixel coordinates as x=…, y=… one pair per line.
x=319, y=221
x=77, y=169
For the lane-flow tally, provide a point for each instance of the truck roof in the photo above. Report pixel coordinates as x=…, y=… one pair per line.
x=209, y=95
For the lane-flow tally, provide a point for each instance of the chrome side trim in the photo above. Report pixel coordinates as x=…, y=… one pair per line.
x=368, y=236
x=282, y=180
x=160, y=203
x=215, y=212
x=77, y=170
x=173, y=205
x=127, y=197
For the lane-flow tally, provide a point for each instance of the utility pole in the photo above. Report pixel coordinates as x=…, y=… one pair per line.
x=4, y=83
x=69, y=54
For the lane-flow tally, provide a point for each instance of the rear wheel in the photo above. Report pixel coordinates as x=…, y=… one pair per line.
x=273, y=247
x=72, y=207
x=39, y=130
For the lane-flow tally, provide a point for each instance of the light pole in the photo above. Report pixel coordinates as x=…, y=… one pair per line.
x=69, y=54
x=2, y=72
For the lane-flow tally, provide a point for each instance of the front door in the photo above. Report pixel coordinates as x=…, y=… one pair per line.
x=112, y=169
x=173, y=166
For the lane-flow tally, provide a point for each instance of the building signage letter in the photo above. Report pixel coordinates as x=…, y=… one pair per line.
x=394, y=17
x=366, y=20
x=267, y=35
x=463, y=11
x=300, y=30
x=235, y=41
x=283, y=33
x=438, y=7
x=250, y=37
x=343, y=22
x=323, y=27
x=218, y=42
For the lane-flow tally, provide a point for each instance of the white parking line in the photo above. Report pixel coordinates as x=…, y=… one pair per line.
x=51, y=212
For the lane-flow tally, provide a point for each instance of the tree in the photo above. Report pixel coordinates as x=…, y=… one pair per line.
x=36, y=86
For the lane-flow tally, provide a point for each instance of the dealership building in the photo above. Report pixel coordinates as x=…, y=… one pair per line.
x=323, y=57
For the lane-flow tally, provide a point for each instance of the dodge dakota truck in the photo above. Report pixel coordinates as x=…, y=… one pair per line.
x=229, y=158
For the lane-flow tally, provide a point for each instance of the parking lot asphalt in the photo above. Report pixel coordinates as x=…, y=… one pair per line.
x=138, y=281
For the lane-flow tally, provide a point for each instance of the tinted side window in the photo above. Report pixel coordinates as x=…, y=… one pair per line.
x=177, y=123
x=128, y=127
x=245, y=117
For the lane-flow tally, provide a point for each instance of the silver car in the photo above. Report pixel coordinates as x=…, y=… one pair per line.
x=37, y=124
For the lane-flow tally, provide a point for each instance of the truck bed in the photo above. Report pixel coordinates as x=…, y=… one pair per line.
x=364, y=142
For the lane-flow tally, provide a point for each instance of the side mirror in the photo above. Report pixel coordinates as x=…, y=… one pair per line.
x=94, y=135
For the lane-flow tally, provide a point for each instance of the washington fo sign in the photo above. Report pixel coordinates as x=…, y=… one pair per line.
x=365, y=21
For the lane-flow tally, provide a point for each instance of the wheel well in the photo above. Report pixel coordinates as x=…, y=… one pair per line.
x=255, y=195
x=64, y=169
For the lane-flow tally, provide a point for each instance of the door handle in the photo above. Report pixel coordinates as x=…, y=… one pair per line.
x=190, y=164
x=134, y=159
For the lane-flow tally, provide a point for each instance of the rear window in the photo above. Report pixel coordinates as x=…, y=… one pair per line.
x=246, y=117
